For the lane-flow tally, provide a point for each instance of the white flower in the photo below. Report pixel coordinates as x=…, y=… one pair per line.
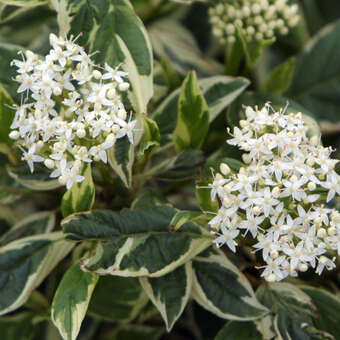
x=69, y=118
x=227, y=237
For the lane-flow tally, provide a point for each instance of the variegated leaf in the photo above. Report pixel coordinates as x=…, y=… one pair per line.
x=38, y=223
x=6, y=116
x=183, y=216
x=25, y=3
x=71, y=300
x=135, y=242
x=134, y=332
x=25, y=263
x=17, y=327
x=38, y=180
x=292, y=308
x=81, y=195
x=222, y=289
x=171, y=40
x=117, y=299
x=238, y=330
x=192, y=116
x=218, y=91
x=170, y=293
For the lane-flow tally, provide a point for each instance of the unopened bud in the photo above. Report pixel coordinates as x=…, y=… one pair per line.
x=311, y=186
x=256, y=210
x=274, y=254
x=62, y=180
x=224, y=168
x=111, y=138
x=49, y=163
x=322, y=233
x=243, y=123
x=111, y=93
x=246, y=158
x=276, y=191
x=57, y=91
x=303, y=267
x=123, y=86
x=122, y=114
x=14, y=135
x=81, y=133
x=271, y=278
x=332, y=231
x=115, y=128
x=96, y=74
x=315, y=140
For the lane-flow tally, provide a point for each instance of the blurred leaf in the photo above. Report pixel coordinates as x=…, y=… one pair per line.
x=117, y=299
x=214, y=165
x=135, y=242
x=316, y=83
x=221, y=288
x=151, y=138
x=170, y=293
x=25, y=263
x=193, y=117
x=129, y=332
x=6, y=116
x=38, y=180
x=38, y=223
x=80, y=196
x=71, y=300
x=218, y=91
x=17, y=327
x=281, y=77
x=328, y=309
x=175, y=43
x=238, y=330
x=25, y=3
x=204, y=198
x=182, y=217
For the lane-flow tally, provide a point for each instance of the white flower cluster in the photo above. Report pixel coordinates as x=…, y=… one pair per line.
x=258, y=19
x=278, y=196
x=71, y=112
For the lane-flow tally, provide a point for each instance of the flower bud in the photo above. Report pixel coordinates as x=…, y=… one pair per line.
x=57, y=91
x=110, y=138
x=322, y=233
x=271, y=278
x=332, y=231
x=122, y=114
x=14, y=135
x=111, y=93
x=246, y=158
x=62, y=180
x=49, y=163
x=224, y=168
x=302, y=267
x=311, y=186
x=123, y=86
x=256, y=210
x=81, y=133
x=39, y=145
x=243, y=123
x=276, y=191
x=115, y=128
x=315, y=140
x=96, y=74
x=274, y=254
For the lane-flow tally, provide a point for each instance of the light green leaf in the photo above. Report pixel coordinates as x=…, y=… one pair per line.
x=328, y=309
x=218, y=91
x=238, y=330
x=183, y=216
x=316, y=79
x=38, y=223
x=81, y=195
x=25, y=263
x=193, y=117
x=222, y=289
x=135, y=242
x=39, y=180
x=117, y=299
x=170, y=293
x=292, y=307
x=71, y=300
x=134, y=332
x=17, y=327
x=280, y=78
x=173, y=42
x=6, y=116
x=25, y=3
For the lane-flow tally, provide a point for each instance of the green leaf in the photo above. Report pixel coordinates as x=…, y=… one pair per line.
x=281, y=77
x=183, y=216
x=221, y=288
x=316, y=79
x=218, y=91
x=173, y=42
x=129, y=332
x=135, y=242
x=238, y=330
x=81, y=195
x=117, y=299
x=25, y=263
x=328, y=309
x=71, y=300
x=17, y=327
x=204, y=198
x=193, y=117
x=150, y=140
x=25, y=3
x=6, y=116
x=39, y=180
x=170, y=293
x=121, y=157
x=292, y=307
x=113, y=28
x=38, y=223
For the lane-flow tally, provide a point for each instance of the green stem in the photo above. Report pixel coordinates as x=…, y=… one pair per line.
x=233, y=58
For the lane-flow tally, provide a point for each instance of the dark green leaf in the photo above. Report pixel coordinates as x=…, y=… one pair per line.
x=238, y=330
